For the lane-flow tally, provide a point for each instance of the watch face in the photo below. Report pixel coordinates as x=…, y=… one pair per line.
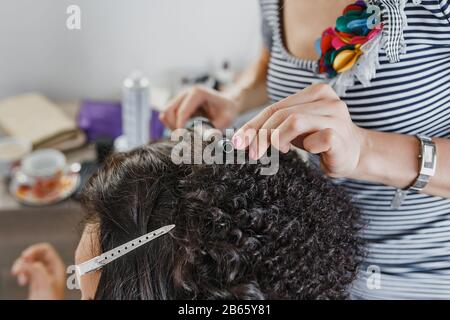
x=428, y=157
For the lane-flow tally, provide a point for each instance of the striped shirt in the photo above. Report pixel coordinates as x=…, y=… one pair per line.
x=410, y=247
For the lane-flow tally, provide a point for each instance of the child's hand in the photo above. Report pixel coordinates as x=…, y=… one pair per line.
x=41, y=268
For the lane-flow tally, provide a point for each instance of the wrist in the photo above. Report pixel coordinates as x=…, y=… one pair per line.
x=387, y=158
x=234, y=96
x=246, y=98
x=48, y=292
x=363, y=165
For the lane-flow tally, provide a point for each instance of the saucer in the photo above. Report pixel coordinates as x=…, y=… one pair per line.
x=22, y=193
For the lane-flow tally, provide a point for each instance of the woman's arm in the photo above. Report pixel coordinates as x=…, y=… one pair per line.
x=250, y=89
x=392, y=159
x=316, y=120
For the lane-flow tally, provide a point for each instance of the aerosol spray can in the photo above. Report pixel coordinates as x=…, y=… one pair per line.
x=135, y=110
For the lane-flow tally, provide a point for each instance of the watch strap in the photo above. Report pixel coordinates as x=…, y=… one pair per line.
x=427, y=170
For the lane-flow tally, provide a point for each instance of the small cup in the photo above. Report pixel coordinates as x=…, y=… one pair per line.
x=12, y=150
x=42, y=171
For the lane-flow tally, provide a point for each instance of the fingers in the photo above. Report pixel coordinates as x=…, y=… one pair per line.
x=260, y=144
x=41, y=268
x=46, y=254
x=297, y=125
x=220, y=110
x=168, y=116
x=28, y=271
x=318, y=99
x=320, y=142
x=320, y=108
x=41, y=283
x=306, y=97
x=243, y=138
x=40, y=252
x=36, y=273
x=19, y=270
x=315, y=92
x=285, y=125
x=189, y=105
x=183, y=107
x=281, y=137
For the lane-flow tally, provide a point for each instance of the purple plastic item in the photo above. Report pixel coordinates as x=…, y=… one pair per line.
x=156, y=126
x=103, y=119
x=100, y=119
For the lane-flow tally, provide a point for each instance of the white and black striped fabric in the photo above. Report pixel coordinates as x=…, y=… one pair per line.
x=411, y=245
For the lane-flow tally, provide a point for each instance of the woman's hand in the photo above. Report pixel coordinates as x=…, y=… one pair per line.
x=316, y=120
x=220, y=110
x=41, y=268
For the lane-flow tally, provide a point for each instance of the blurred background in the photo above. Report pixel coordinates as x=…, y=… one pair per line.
x=162, y=38
x=64, y=105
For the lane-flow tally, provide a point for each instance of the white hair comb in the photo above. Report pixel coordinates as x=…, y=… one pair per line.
x=111, y=255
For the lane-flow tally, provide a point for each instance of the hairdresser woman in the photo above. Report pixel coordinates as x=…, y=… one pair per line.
x=371, y=99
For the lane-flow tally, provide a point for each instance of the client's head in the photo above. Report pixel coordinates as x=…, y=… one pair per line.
x=238, y=234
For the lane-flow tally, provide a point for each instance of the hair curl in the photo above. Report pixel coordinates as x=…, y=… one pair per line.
x=238, y=234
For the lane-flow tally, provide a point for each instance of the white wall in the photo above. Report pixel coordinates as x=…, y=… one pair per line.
x=160, y=37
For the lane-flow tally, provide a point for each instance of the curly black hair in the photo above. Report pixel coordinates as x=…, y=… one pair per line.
x=238, y=234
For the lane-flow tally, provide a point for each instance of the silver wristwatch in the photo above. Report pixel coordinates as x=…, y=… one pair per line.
x=427, y=169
